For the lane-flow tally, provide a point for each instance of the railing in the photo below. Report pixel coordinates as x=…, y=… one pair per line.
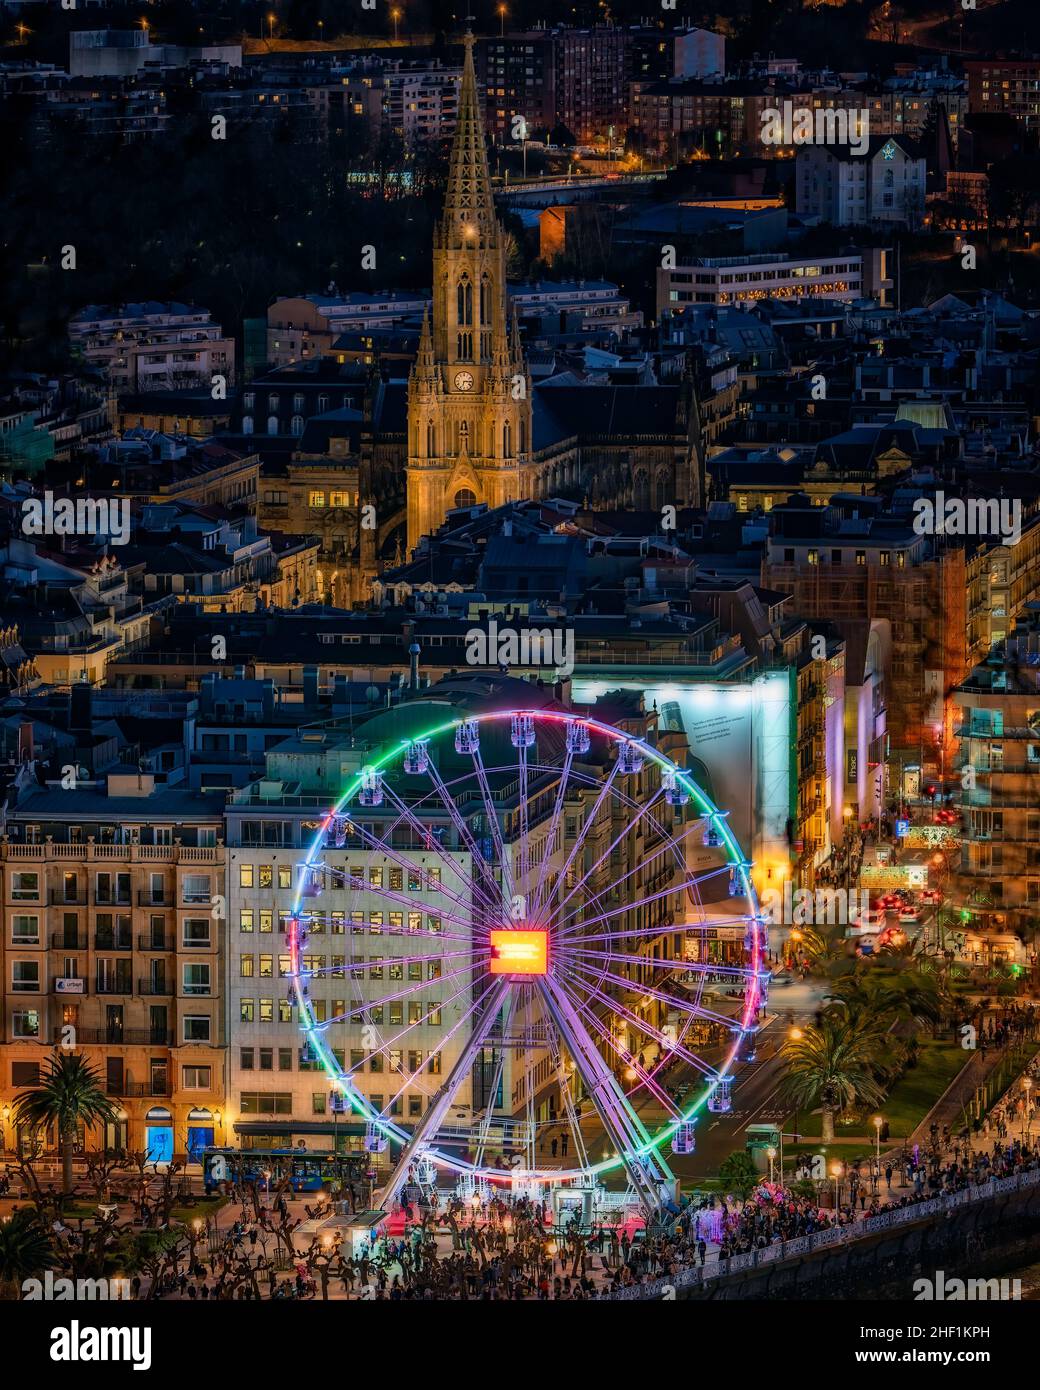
x=131, y=1090
x=156, y=943
x=65, y=941
x=132, y=854
x=115, y=1037
x=149, y=900
x=58, y=897
x=113, y=941
x=835, y=1235
x=160, y=987
x=121, y=986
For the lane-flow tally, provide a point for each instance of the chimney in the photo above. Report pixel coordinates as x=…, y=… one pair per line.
x=25, y=741
x=267, y=698
x=310, y=686
x=413, y=665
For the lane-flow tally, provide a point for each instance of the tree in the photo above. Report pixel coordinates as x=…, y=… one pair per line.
x=69, y=1094
x=25, y=1251
x=739, y=1174
x=833, y=1066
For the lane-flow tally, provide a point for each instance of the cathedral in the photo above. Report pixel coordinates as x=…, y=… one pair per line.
x=469, y=395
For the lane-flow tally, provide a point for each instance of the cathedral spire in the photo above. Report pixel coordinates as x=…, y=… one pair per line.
x=469, y=209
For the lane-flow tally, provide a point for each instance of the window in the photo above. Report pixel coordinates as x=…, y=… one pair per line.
x=25, y=1073
x=316, y=499
x=284, y=875
x=196, y=978
x=196, y=888
x=25, y=887
x=25, y=930
x=266, y=1103
x=197, y=1028
x=196, y=931
x=245, y=967
x=196, y=1078
x=246, y=1010
x=25, y=1023
x=245, y=876
x=25, y=976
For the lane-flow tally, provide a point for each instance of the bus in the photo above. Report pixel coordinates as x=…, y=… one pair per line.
x=306, y=1172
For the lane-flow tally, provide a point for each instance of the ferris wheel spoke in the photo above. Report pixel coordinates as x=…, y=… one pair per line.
x=573, y=925
x=643, y=934
x=508, y=883
x=680, y=1005
x=411, y=1078
x=488, y=1113
x=469, y=882
x=554, y=823
x=355, y=965
x=687, y=886
x=381, y=846
x=412, y=987
x=668, y=1043
x=492, y=893
x=434, y=1115
x=579, y=841
x=648, y=1078
x=647, y=1170
x=552, y=1036
x=384, y=1048
x=626, y=830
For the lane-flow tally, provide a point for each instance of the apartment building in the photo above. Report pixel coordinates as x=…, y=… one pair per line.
x=997, y=728
x=743, y=279
x=153, y=346
x=113, y=933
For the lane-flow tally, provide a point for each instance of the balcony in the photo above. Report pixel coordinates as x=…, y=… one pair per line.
x=135, y=1090
x=156, y=943
x=165, y=899
x=116, y=1037
x=118, y=986
x=68, y=941
x=113, y=941
x=112, y=900
x=162, y=988
x=61, y=897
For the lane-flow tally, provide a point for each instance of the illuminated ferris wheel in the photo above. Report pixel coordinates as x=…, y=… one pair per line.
x=504, y=951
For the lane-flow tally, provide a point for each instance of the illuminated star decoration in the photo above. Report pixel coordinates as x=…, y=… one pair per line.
x=888, y=151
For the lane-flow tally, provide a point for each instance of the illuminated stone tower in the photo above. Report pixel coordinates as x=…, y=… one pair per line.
x=469, y=396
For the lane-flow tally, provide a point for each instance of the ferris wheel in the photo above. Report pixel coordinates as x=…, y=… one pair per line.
x=504, y=948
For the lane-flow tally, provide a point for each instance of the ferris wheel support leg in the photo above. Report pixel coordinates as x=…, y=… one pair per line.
x=647, y=1171
x=437, y=1111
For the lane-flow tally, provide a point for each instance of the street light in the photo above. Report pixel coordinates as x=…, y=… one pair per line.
x=837, y=1171
x=395, y=15
x=878, y=1122
x=502, y=12
x=770, y=1154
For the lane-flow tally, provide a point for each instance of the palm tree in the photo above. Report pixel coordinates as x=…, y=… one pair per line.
x=833, y=1066
x=25, y=1251
x=69, y=1094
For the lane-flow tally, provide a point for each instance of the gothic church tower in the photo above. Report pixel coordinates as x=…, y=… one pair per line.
x=469, y=396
